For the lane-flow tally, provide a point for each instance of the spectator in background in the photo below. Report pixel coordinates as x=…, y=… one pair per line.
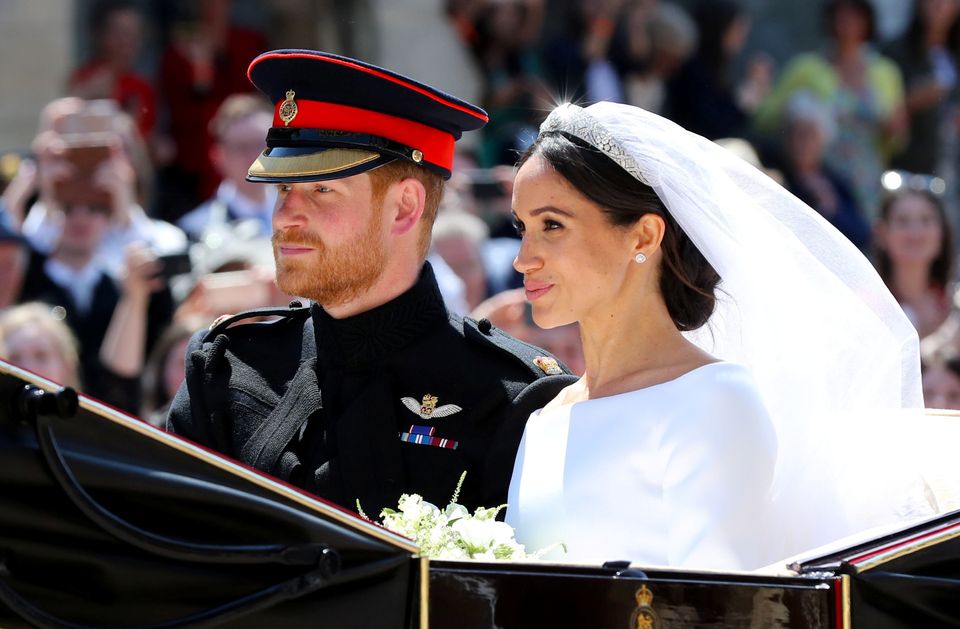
x=64, y=123
x=613, y=27
x=164, y=370
x=233, y=277
x=809, y=129
x=510, y=311
x=914, y=255
x=504, y=37
x=941, y=383
x=14, y=254
x=238, y=129
x=116, y=29
x=75, y=275
x=205, y=62
x=459, y=238
x=703, y=95
x=927, y=56
x=863, y=90
x=36, y=339
x=672, y=38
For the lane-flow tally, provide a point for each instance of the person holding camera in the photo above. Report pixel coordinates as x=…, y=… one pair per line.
x=83, y=188
x=77, y=141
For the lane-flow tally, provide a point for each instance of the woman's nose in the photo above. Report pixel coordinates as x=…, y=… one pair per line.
x=527, y=260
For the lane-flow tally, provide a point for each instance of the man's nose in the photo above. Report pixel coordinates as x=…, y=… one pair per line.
x=289, y=211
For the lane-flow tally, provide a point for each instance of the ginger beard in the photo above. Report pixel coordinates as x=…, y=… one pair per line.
x=331, y=276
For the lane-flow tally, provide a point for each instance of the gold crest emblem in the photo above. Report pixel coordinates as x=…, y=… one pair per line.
x=288, y=110
x=643, y=616
x=548, y=365
x=428, y=407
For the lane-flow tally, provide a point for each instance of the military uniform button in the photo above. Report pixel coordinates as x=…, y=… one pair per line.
x=296, y=303
x=484, y=326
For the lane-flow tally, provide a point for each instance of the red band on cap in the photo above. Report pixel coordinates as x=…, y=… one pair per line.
x=436, y=145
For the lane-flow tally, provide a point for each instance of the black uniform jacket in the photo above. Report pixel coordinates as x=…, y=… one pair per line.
x=401, y=399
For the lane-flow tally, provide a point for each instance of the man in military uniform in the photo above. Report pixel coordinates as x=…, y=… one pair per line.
x=375, y=389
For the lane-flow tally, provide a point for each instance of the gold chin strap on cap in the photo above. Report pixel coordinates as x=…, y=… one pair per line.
x=319, y=163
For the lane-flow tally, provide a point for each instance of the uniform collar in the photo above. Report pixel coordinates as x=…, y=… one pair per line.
x=370, y=337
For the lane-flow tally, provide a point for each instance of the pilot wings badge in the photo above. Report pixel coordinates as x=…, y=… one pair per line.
x=428, y=407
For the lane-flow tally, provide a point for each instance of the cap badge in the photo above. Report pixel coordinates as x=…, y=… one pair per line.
x=428, y=407
x=417, y=155
x=548, y=365
x=288, y=110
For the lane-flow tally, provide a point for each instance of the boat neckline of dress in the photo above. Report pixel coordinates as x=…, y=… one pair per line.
x=695, y=370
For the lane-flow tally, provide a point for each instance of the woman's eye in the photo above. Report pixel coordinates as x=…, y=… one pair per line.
x=518, y=225
x=549, y=225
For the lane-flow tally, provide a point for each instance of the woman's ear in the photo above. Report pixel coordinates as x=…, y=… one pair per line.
x=410, y=197
x=648, y=234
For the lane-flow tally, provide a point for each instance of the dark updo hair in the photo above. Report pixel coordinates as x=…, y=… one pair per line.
x=687, y=281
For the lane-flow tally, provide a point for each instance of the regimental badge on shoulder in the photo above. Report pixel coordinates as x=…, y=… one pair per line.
x=548, y=365
x=428, y=407
x=288, y=109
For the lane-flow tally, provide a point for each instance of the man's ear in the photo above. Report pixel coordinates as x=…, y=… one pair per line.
x=409, y=197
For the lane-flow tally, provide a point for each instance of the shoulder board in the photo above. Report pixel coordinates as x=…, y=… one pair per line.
x=538, y=361
x=223, y=322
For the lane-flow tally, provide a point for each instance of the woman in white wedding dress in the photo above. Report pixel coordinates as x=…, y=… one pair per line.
x=733, y=339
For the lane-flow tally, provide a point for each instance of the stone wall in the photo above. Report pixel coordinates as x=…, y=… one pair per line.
x=36, y=49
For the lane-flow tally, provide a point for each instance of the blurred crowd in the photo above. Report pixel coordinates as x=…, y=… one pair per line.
x=129, y=225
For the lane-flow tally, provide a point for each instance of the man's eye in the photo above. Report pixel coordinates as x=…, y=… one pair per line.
x=322, y=189
x=283, y=187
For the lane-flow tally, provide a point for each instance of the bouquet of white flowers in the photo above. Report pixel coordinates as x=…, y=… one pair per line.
x=454, y=533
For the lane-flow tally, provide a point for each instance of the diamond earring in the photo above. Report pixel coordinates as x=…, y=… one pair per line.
x=640, y=258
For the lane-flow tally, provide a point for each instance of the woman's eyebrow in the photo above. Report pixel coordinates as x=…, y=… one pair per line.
x=550, y=208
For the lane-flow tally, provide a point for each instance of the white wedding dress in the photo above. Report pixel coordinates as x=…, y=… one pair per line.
x=675, y=474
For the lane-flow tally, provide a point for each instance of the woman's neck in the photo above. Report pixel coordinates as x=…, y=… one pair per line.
x=911, y=281
x=628, y=347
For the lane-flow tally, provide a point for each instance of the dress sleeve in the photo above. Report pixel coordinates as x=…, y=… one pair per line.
x=719, y=459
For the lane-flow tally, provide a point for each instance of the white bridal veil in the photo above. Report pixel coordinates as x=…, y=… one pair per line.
x=802, y=308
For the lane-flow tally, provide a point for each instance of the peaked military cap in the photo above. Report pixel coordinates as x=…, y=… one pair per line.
x=335, y=117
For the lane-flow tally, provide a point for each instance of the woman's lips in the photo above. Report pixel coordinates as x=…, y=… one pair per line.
x=536, y=290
